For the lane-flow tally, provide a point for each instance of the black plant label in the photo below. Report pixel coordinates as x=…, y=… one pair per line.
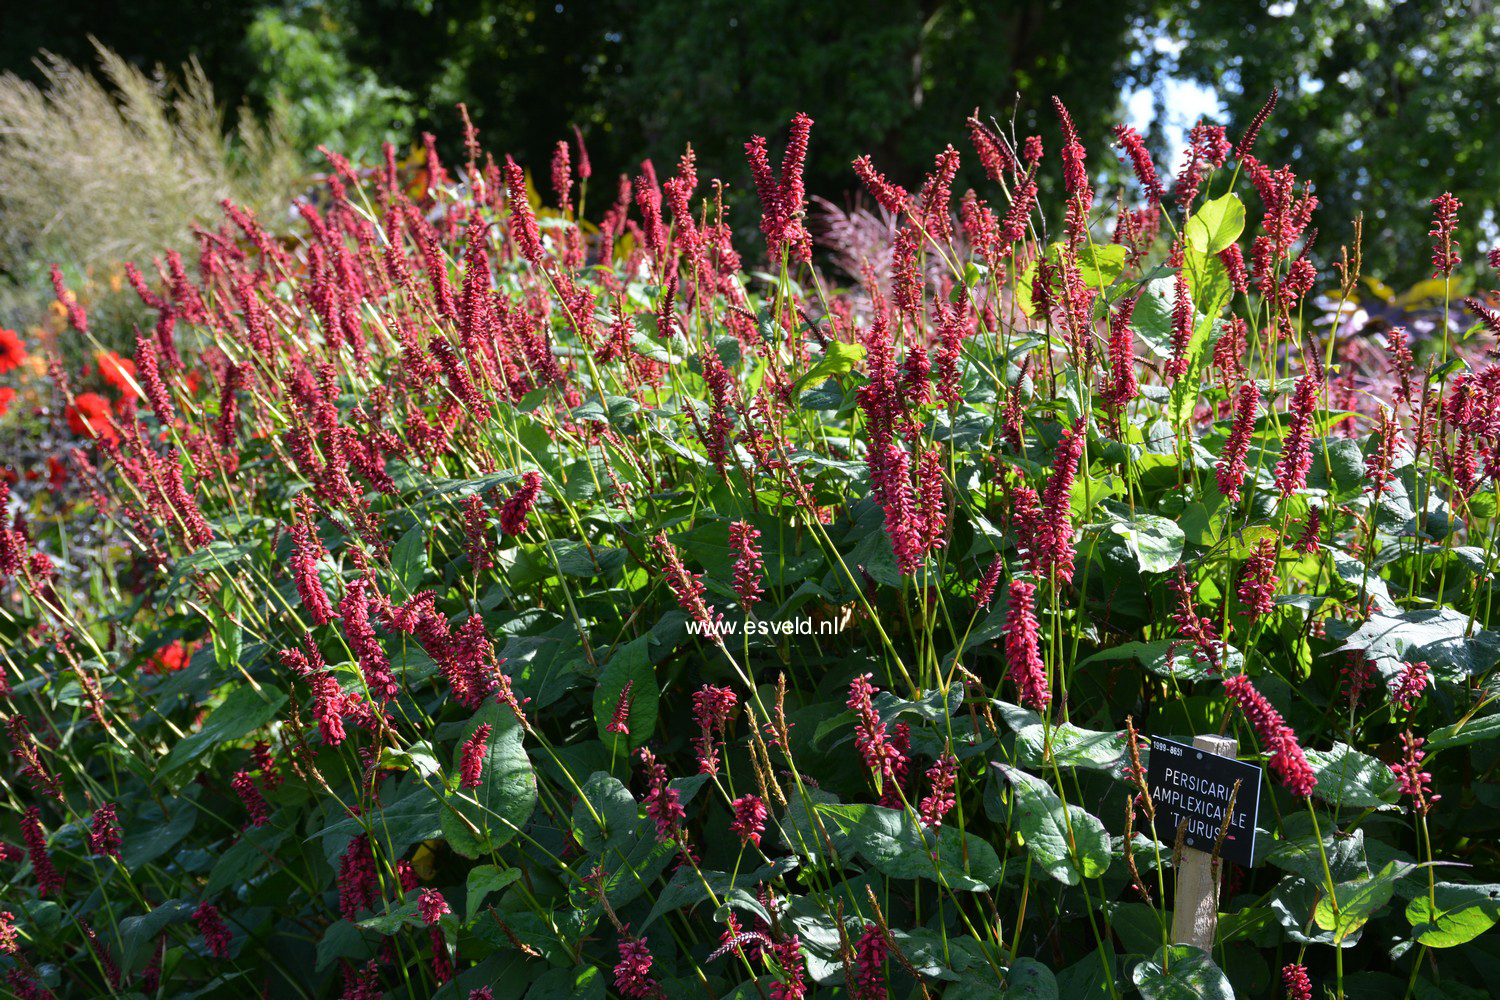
x=1191, y=791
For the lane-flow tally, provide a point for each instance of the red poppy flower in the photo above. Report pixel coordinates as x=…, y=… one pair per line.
x=117, y=371
x=89, y=417
x=57, y=472
x=6, y=395
x=173, y=656
x=12, y=351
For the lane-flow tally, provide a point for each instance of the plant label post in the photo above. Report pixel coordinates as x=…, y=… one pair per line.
x=1202, y=793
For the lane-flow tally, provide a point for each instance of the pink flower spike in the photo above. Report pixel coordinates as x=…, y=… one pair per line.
x=749, y=819
x=471, y=762
x=431, y=906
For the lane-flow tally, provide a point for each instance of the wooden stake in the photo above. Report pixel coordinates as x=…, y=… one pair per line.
x=1195, y=918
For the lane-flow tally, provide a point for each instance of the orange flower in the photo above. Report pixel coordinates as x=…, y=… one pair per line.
x=12, y=351
x=117, y=371
x=89, y=417
x=6, y=395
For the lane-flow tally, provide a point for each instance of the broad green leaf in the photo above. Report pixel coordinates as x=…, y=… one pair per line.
x=1358, y=901
x=1070, y=747
x=605, y=816
x=575, y=983
x=1156, y=542
x=1153, y=656
x=484, y=880
x=342, y=940
x=690, y=886
x=1181, y=972
x=409, y=812
x=392, y=921
x=1349, y=778
x=1216, y=224
x=409, y=559
x=838, y=358
x=138, y=935
x=631, y=664
x=255, y=848
x=245, y=710
x=477, y=820
x=1463, y=913
x=1045, y=828
x=891, y=841
x=1100, y=266
x=1466, y=731
x=1028, y=979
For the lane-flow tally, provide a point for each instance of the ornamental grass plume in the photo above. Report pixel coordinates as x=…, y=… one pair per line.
x=1276, y=737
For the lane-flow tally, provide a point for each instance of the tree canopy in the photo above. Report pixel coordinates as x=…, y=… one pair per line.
x=1384, y=104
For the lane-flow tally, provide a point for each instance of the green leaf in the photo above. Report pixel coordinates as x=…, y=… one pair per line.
x=242, y=713
x=690, y=886
x=1028, y=979
x=605, y=816
x=342, y=940
x=839, y=358
x=1216, y=224
x=1464, y=732
x=484, y=880
x=1044, y=826
x=388, y=923
x=1070, y=747
x=138, y=935
x=409, y=559
x=631, y=664
x=478, y=820
x=1100, y=266
x=1358, y=901
x=1463, y=913
x=1156, y=542
x=1153, y=656
x=1181, y=972
x=891, y=841
x=255, y=847
x=1349, y=778
x=408, y=813
x=585, y=983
